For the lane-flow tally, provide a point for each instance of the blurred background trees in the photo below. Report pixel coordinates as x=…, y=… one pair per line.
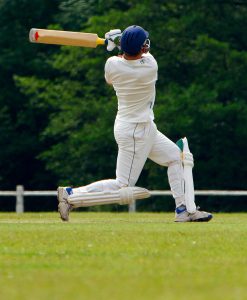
x=57, y=113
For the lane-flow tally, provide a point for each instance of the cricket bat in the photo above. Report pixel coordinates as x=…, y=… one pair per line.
x=67, y=38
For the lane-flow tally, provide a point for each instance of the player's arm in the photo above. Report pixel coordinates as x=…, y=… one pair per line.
x=113, y=41
x=108, y=72
x=107, y=81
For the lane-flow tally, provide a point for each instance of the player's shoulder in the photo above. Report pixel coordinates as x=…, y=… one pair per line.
x=113, y=63
x=113, y=59
x=148, y=59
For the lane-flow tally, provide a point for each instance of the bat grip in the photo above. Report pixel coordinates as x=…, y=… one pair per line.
x=101, y=41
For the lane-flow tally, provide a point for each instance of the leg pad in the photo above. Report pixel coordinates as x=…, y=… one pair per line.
x=126, y=195
x=188, y=163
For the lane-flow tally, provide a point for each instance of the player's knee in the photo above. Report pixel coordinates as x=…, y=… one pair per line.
x=121, y=183
x=174, y=155
x=176, y=162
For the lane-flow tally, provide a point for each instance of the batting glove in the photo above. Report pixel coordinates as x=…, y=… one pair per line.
x=113, y=38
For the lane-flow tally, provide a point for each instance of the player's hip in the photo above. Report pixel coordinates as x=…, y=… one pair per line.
x=141, y=132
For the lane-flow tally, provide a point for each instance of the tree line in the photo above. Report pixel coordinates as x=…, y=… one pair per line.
x=57, y=112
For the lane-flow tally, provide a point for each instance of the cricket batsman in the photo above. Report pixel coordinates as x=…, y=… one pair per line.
x=133, y=76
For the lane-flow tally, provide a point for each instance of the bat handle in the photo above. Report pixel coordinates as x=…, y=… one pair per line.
x=101, y=41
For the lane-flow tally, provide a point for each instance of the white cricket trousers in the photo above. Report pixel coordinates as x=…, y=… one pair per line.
x=137, y=142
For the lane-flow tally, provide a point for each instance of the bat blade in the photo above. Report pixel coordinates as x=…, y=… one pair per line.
x=67, y=38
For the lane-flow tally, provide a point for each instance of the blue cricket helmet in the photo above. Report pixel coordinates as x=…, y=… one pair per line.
x=132, y=39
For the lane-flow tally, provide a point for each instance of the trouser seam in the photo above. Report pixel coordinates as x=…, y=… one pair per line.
x=133, y=154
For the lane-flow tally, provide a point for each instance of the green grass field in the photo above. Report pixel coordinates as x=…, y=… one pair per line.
x=122, y=256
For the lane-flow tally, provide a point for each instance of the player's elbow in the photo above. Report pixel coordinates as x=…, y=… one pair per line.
x=108, y=82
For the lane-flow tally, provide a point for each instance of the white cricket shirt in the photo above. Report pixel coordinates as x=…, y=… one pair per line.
x=134, y=84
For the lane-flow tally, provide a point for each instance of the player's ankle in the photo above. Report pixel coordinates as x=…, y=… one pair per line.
x=180, y=209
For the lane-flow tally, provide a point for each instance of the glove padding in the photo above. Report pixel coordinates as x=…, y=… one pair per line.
x=113, y=38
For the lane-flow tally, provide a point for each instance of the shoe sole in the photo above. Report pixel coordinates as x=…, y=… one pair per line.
x=60, y=196
x=183, y=221
x=61, y=216
x=206, y=219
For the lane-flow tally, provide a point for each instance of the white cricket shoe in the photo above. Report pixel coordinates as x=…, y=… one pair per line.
x=64, y=207
x=182, y=215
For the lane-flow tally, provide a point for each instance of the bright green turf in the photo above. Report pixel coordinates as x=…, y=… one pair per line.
x=119, y=256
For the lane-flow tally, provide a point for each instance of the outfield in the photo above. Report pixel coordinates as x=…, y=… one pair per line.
x=122, y=256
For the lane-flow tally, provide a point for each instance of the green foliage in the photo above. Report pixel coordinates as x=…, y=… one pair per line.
x=22, y=123
x=56, y=101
